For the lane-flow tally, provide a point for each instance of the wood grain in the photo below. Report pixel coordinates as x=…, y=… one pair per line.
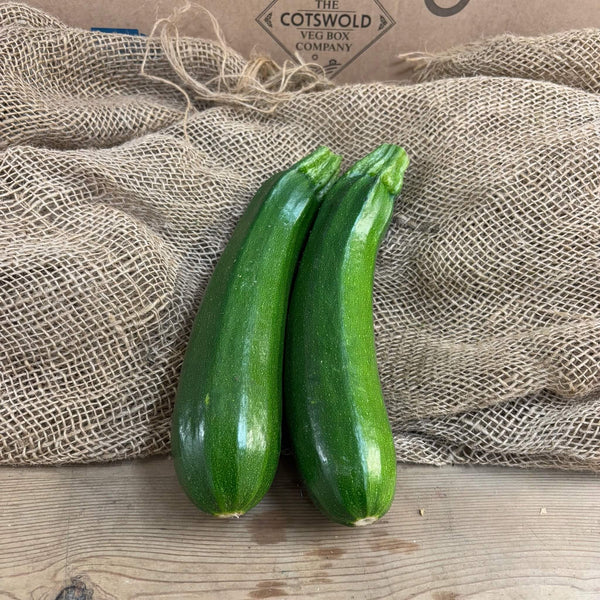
x=127, y=531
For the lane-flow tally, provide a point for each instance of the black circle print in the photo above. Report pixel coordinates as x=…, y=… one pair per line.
x=440, y=11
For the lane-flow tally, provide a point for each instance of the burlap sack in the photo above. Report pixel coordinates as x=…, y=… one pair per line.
x=126, y=161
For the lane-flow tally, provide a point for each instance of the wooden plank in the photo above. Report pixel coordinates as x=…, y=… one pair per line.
x=128, y=532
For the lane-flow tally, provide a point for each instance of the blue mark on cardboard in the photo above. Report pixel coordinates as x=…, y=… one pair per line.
x=121, y=30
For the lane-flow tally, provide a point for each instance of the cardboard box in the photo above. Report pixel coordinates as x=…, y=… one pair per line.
x=354, y=40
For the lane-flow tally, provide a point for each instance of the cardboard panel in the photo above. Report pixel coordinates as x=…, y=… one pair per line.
x=354, y=40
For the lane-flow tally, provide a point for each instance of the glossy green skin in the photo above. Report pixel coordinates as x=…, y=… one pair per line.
x=226, y=426
x=333, y=400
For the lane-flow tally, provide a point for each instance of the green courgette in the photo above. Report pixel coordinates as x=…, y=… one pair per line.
x=226, y=425
x=333, y=401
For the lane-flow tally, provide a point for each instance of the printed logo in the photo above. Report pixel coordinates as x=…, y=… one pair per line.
x=331, y=33
x=445, y=11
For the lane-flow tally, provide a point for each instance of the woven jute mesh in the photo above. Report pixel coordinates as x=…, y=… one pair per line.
x=126, y=162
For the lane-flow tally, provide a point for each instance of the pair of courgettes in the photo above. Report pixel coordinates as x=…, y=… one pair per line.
x=287, y=320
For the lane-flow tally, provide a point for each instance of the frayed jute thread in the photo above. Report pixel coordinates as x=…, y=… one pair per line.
x=261, y=84
x=412, y=61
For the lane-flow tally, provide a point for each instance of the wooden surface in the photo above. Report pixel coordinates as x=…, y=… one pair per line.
x=127, y=531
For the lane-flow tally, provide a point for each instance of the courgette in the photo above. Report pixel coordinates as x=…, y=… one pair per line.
x=333, y=401
x=226, y=424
